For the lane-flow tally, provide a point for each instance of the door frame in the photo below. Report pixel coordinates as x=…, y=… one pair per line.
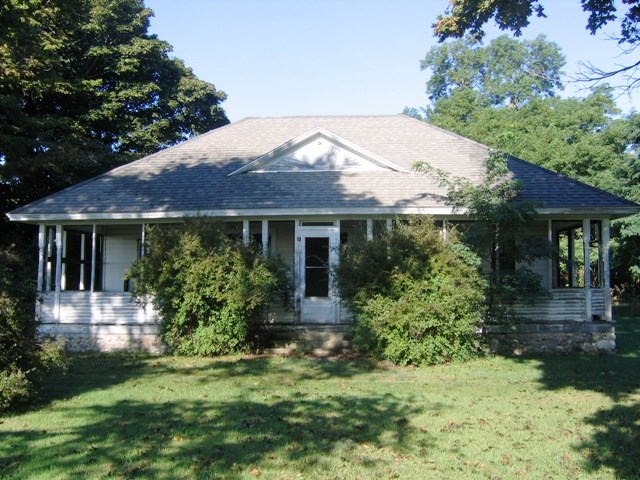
x=329, y=309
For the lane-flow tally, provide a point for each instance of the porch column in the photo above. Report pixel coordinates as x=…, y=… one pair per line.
x=573, y=270
x=445, y=229
x=142, y=240
x=389, y=224
x=369, y=229
x=93, y=257
x=550, y=259
x=83, y=256
x=58, y=279
x=245, y=232
x=265, y=237
x=606, y=274
x=49, y=254
x=41, y=259
x=63, y=278
x=586, y=238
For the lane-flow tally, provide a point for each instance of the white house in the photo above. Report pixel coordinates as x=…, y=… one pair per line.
x=300, y=186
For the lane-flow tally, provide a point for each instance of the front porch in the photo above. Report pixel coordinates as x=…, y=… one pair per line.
x=85, y=297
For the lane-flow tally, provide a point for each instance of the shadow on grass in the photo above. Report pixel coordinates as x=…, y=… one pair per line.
x=208, y=439
x=92, y=372
x=616, y=442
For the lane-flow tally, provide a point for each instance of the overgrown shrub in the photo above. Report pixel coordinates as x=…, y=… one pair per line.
x=23, y=360
x=416, y=298
x=208, y=288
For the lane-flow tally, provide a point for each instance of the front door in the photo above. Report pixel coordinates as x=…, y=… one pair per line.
x=317, y=248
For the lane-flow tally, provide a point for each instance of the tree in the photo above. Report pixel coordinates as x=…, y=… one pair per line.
x=584, y=138
x=84, y=87
x=506, y=71
x=498, y=234
x=470, y=16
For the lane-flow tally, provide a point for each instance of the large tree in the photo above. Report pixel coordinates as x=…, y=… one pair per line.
x=584, y=138
x=85, y=87
x=470, y=17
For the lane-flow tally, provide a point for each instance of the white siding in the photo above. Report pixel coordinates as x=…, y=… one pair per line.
x=119, y=255
x=97, y=308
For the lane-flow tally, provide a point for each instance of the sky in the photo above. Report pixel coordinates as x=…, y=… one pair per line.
x=340, y=57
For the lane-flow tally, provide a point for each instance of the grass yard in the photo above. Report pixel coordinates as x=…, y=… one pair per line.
x=289, y=418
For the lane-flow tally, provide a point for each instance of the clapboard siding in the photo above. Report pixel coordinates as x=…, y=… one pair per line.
x=566, y=305
x=597, y=301
x=96, y=308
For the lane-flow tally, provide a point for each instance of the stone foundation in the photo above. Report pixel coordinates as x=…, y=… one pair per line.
x=550, y=338
x=106, y=338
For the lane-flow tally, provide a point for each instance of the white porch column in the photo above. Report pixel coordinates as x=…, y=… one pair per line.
x=606, y=274
x=445, y=229
x=369, y=229
x=63, y=278
x=265, y=237
x=94, y=237
x=389, y=224
x=142, y=240
x=83, y=255
x=49, y=254
x=573, y=268
x=586, y=238
x=245, y=232
x=550, y=259
x=41, y=259
x=58, y=279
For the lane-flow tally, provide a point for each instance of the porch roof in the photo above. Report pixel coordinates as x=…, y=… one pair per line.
x=195, y=176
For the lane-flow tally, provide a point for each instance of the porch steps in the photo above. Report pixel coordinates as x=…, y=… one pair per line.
x=319, y=340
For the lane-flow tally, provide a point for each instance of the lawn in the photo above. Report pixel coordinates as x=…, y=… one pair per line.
x=120, y=416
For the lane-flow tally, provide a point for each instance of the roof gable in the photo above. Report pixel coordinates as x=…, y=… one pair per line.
x=319, y=150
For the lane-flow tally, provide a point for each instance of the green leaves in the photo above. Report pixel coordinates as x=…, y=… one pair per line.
x=83, y=88
x=417, y=299
x=207, y=287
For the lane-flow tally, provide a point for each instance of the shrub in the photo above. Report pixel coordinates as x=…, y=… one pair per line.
x=23, y=360
x=416, y=298
x=207, y=287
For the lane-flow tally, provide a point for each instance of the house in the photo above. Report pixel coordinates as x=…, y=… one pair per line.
x=300, y=186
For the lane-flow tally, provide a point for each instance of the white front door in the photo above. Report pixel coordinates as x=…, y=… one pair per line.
x=317, y=254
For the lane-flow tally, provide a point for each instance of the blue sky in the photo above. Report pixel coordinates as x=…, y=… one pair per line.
x=307, y=57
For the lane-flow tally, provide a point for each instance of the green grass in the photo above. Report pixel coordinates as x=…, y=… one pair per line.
x=286, y=418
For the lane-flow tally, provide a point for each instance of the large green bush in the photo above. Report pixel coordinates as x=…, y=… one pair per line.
x=208, y=288
x=416, y=298
x=24, y=361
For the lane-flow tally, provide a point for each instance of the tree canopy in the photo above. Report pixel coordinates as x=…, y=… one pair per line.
x=84, y=87
x=464, y=17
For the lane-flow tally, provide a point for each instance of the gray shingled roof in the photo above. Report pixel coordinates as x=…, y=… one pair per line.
x=193, y=176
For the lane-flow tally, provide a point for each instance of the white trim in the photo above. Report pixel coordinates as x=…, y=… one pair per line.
x=83, y=254
x=369, y=229
x=557, y=213
x=310, y=136
x=94, y=237
x=265, y=237
x=143, y=240
x=49, y=253
x=550, y=259
x=245, y=232
x=63, y=278
x=586, y=238
x=58, y=279
x=41, y=259
x=605, y=240
x=389, y=224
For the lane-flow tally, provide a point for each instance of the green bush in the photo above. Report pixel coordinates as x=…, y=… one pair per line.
x=208, y=288
x=24, y=361
x=416, y=298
